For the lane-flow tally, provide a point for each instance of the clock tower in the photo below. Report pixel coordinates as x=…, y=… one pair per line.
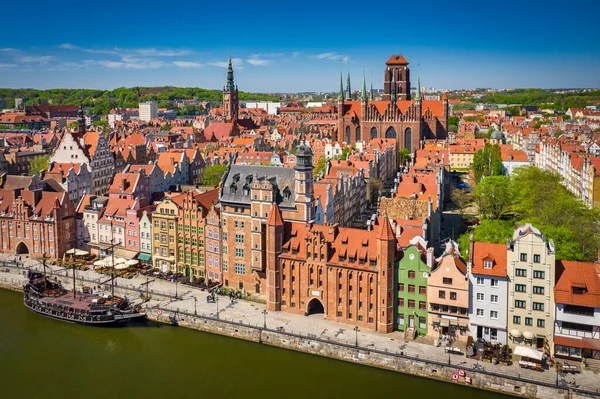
x=230, y=96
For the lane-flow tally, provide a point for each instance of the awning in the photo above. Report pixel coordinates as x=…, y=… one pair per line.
x=582, y=343
x=125, y=253
x=144, y=257
x=528, y=352
x=528, y=335
x=445, y=323
x=515, y=333
x=463, y=323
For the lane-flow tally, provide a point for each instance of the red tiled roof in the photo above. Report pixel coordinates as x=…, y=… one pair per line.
x=494, y=252
x=584, y=275
x=397, y=60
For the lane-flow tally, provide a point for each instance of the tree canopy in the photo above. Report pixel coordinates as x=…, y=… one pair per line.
x=37, y=164
x=213, y=174
x=487, y=162
x=493, y=195
x=320, y=166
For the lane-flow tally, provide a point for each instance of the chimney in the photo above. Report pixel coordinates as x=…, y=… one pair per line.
x=471, y=246
x=430, y=258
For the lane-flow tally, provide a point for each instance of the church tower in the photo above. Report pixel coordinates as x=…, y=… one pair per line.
x=230, y=96
x=303, y=176
x=81, y=128
x=274, y=244
x=396, y=78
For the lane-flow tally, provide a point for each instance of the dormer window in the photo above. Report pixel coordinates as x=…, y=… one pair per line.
x=246, y=189
x=287, y=193
x=232, y=189
x=488, y=264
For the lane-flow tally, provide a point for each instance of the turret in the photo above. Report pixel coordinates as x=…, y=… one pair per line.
x=274, y=244
x=303, y=173
x=386, y=249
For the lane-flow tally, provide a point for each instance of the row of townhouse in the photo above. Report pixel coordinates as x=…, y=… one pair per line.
x=515, y=294
x=579, y=170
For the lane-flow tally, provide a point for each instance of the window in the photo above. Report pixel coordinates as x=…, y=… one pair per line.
x=494, y=282
x=422, y=322
x=224, y=236
x=400, y=319
x=487, y=264
x=411, y=274
x=239, y=252
x=538, y=306
x=538, y=290
x=494, y=298
x=411, y=303
x=538, y=274
x=239, y=238
x=422, y=290
x=411, y=289
x=442, y=294
x=528, y=321
x=453, y=296
x=479, y=312
x=422, y=305
x=480, y=281
x=521, y=272
x=520, y=288
x=240, y=268
x=541, y=323
x=517, y=319
x=493, y=314
x=447, y=280
x=523, y=257
x=401, y=287
x=519, y=304
x=401, y=302
x=536, y=258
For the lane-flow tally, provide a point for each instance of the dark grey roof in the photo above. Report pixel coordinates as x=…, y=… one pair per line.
x=240, y=177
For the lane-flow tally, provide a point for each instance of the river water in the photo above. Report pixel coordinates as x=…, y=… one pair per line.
x=44, y=358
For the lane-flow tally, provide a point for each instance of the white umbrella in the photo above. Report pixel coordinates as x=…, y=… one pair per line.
x=99, y=262
x=81, y=252
x=528, y=335
x=132, y=262
x=71, y=251
x=120, y=260
x=121, y=266
x=515, y=333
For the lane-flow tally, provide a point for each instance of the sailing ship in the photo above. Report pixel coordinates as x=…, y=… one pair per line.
x=51, y=299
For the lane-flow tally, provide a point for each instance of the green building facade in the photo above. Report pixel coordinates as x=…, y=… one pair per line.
x=411, y=290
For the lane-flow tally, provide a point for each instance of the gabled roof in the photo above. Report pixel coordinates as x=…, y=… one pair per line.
x=397, y=60
x=494, y=252
x=584, y=276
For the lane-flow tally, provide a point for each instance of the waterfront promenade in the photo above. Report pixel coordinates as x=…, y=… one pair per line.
x=253, y=313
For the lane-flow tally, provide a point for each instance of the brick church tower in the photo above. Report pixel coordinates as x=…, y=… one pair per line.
x=274, y=243
x=396, y=79
x=230, y=96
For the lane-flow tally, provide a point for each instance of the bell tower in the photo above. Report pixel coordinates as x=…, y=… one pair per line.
x=230, y=96
x=396, y=78
x=303, y=176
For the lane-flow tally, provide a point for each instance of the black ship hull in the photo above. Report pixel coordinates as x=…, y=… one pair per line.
x=106, y=321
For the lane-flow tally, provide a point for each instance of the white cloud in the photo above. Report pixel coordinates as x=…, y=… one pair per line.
x=160, y=53
x=330, y=56
x=128, y=52
x=236, y=62
x=68, y=46
x=188, y=64
x=35, y=59
x=258, y=61
x=139, y=64
x=7, y=65
x=296, y=54
x=8, y=50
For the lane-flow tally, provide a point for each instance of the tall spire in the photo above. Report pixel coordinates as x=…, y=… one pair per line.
x=363, y=93
x=230, y=83
x=341, y=95
x=372, y=94
x=418, y=94
x=348, y=89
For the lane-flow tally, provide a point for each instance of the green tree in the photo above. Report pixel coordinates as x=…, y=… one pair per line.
x=493, y=195
x=404, y=156
x=73, y=125
x=487, y=162
x=488, y=230
x=101, y=122
x=345, y=152
x=37, y=164
x=213, y=174
x=320, y=166
x=461, y=199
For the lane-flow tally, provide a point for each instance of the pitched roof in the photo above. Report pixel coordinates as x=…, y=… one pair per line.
x=488, y=251
x=275, y=218
x=581, y=276
x=397, y=60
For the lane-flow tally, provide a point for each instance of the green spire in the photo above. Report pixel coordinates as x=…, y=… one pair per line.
x=348, y=89
x=372, y=94
x=418, y=95
x=341, y=95
x=363, y=94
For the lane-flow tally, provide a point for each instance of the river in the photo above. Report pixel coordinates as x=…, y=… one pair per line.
x=45, y=358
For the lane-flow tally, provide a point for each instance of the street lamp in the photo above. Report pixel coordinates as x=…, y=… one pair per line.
x=195, y=302
x=176, y=282
x=264, y=312
x=356, y=331
x=217, y=302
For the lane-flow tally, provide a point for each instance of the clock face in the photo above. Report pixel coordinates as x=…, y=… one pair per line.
x=226, y=97
x=411, y=256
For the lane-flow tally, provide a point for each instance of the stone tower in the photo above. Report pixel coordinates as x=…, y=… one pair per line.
x=274, y=243
x=396, y=78
x=303, y=177
x=230, y=96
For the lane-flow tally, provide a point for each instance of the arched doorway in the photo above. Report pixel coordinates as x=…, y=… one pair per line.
x=373, y=132
x=22, y=248
x=390, y=133
x=348, y=135
x=408, y=139
x=358, y=133
x=315, y=307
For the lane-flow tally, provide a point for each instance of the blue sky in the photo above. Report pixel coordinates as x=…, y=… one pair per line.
x=299, y=46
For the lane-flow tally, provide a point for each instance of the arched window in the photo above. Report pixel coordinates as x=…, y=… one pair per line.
x=348, y=134
x=408, y=139
x=390, y=133
x=373, y=132
x=358, y=133
x=286, y=193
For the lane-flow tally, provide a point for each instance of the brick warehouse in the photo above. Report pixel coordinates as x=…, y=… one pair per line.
x=397, y=116
x=345, y=273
